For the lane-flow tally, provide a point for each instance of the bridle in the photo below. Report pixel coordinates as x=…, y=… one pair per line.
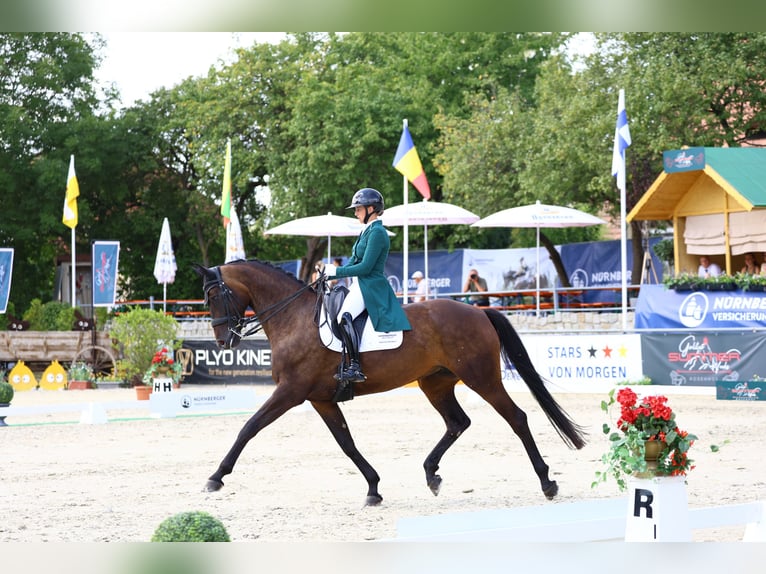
x=239, y=326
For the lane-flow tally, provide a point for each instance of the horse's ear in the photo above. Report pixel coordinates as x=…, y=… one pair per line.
x=200, y=270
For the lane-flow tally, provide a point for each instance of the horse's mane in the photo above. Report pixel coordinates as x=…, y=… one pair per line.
x=270, y=265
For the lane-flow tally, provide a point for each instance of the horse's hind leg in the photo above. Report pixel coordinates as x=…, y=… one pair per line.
x=501, y=401
x=336, y=422
x=440, y=391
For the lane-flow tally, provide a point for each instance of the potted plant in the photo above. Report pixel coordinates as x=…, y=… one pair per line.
x=720, y=282
x=163, y=366
x=6, y=396
x=682, y=282
x=80, y=376
x=748, y=282
x=646, y=442
x=139, y=331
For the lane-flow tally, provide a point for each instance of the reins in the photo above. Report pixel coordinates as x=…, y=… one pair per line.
x=238, y=323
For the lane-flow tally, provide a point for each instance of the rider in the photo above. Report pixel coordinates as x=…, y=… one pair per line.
x=371, y=288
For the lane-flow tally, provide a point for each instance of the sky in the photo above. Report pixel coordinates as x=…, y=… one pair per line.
x=140, y=62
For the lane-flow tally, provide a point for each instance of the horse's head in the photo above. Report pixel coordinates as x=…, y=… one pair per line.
x=227, y=310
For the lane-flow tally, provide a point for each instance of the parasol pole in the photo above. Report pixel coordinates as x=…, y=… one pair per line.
x=537, y=274
x=406, y=268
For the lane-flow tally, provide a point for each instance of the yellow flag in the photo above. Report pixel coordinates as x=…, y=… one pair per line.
x=226, y=193
x=70, y=203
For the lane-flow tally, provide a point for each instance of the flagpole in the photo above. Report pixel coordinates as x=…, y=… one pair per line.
x=74, y=270
x=406, y=268
x=619, y=169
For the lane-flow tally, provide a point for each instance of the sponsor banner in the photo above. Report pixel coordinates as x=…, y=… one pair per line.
x=690, y=159
x=570, y=362
x=444, y=271
x=203, y=362
x=662, y=308
x=740, y=391
x=106, y=256
x=701, y=359
x=6, y=271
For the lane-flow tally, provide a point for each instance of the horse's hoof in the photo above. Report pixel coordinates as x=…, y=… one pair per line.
x=551, y=490
x=212, y=486
x=435, y=484
x=373, y=500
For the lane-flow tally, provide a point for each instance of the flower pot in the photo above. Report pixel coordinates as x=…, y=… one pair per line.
x=2, y=419
x=143, y=392
x=652, y=451
x=78, y=385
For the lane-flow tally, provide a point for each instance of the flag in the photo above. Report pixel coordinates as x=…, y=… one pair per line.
x=621, y=142
x=226, y=195
x=407, y=162
x=70, y=203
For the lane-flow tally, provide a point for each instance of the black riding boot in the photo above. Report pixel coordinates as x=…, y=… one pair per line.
x=352, y=372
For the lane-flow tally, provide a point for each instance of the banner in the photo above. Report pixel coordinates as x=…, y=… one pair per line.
x=574, y=362
x=444, y=270
x=662, y=308
x=106, y=255
x=701, y=358
x=6, y=271
x=204, y=362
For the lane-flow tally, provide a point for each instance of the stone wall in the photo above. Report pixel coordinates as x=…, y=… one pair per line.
x=562, y=322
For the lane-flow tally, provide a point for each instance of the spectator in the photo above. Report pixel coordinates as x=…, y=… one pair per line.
x=752, y=267
x=345, y=281
x=421, y=287
x=708, y=268
x=476, y=284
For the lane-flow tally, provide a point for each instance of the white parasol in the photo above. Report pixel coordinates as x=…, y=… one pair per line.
x=539, y=215
x=319, y=226
x=165, y=263
x=427, y=213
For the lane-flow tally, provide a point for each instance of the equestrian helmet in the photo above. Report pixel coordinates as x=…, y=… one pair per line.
x=368, y=196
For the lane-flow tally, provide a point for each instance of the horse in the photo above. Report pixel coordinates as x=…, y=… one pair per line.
x=449, y=342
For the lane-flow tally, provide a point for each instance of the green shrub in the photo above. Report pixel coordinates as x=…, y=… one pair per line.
x=140, y=333
x=6, y=392
x=193, y=526
x=50, y=316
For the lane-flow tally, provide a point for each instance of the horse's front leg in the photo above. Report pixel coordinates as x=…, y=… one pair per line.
x=336, y=422
x=275, y=406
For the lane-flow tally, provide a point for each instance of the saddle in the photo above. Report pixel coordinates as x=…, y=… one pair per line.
x=369, y=338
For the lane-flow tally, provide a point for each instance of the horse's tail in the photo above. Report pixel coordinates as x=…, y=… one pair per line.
x=514, y=354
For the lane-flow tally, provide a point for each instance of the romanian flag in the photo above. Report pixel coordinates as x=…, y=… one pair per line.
x=408, y=164
x=70, y=203
x=226, y=195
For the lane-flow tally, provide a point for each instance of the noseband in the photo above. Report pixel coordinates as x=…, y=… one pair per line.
x=233, y=319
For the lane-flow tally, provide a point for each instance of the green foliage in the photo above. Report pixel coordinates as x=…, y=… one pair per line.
x=6, y=391
x=80, y=371
x=141, y=332
x=664, y=249
x=50, y=316
x=193, y=526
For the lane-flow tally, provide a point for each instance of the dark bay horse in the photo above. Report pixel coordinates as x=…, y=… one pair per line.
x=450, y=342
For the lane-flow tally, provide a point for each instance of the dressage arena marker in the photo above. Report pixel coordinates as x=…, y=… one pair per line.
x=160, y=405
x=585, y=521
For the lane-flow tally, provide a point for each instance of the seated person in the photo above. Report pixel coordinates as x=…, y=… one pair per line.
x=476, y=284
x=752, y=267
x=708, y=268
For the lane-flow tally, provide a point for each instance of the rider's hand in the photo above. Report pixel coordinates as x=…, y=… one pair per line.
x=329, y=270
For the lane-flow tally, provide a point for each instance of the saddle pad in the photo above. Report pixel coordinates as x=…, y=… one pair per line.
x=372, y=340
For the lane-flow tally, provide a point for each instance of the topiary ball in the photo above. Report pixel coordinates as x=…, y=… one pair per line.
x=6, y=392
x=194, y=526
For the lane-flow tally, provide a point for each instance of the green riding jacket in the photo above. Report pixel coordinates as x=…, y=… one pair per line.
x=367, y=264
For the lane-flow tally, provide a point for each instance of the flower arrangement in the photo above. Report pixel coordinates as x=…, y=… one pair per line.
x=163, y=365
x=647, y=419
